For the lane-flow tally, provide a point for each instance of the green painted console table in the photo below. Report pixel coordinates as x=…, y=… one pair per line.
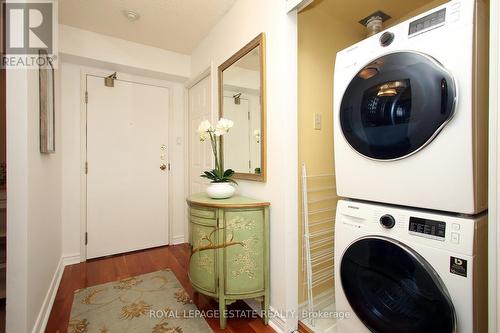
x=229, y=241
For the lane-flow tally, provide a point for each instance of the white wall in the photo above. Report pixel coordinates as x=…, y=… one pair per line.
x=17, y=199
x=130, y=57
x=81, y=46
x=34, y=198
x=33, y=204
x=245, y=20
x=44, y=206
x=70, y=208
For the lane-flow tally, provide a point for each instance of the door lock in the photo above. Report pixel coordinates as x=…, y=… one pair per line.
x=163, y=166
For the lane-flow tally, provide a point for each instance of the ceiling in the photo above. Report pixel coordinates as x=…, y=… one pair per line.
x=353, y=11
x=175, y=25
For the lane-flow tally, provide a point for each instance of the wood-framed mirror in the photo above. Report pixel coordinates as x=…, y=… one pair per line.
x=242, y=99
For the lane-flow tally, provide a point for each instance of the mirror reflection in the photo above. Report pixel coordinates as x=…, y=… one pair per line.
x=243, y=146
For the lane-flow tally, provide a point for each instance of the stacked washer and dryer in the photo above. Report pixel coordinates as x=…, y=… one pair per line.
x=410, y=130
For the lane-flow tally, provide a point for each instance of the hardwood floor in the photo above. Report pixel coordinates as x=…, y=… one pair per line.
x=117, y=267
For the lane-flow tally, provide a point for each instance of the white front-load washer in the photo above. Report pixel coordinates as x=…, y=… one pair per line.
x=407, y=270
x=410, y=112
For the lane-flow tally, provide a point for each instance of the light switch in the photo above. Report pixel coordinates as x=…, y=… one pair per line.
x=317, y=121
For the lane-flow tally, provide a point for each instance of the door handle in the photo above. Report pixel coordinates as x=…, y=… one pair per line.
x=163, y=166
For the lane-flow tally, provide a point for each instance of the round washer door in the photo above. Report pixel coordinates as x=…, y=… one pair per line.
x=392, y=289
x=396, y=105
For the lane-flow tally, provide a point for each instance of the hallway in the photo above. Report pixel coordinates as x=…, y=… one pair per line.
x=107, y=269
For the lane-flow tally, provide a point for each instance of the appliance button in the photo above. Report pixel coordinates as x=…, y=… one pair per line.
x=455, y=238
x=455, y=226
x=386, y=39
x=387, y=221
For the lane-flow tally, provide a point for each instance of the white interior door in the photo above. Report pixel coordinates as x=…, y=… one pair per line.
x=200, y=153
x=127, y=192
x=237, y=141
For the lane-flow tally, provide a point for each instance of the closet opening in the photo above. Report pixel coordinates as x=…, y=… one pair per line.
x=326, y=27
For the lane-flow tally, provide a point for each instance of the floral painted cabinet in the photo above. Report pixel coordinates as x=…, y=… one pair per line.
x=229, y=241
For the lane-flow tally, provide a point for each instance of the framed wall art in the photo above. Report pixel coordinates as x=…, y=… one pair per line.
x=47, y=104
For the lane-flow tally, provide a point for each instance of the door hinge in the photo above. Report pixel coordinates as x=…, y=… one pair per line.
x=86, y=167
x=86, y=238
x=248, y=115
x=250, y=164
x=86, y=97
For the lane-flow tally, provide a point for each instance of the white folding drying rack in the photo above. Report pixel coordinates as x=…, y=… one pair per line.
x=317, y=247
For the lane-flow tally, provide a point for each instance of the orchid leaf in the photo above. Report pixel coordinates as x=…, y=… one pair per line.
x=228, y=173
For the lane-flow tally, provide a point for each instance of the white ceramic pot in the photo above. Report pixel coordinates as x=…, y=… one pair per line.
x=220, y=190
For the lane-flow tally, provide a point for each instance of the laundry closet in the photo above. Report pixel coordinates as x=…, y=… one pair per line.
x=326, y=27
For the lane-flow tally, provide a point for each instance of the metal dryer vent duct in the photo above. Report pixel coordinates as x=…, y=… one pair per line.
x=373, y=22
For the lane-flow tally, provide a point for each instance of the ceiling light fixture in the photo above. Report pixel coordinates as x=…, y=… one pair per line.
x=131, y=15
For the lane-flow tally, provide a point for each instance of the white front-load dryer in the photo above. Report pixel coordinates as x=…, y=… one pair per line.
x=410, y=112
x=406, y=270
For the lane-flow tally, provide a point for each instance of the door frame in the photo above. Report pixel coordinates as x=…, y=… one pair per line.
x=494, y=171
x=84, y=73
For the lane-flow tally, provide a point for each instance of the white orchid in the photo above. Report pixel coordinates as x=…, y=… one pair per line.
x=204, y=136
x=223, y=126
x=204, y=130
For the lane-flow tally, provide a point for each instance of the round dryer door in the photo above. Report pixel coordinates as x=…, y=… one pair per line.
x=396, y=105
x=392, y=289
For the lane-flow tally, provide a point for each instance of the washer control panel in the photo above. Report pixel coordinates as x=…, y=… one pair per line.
x=455, y=233
x=410, y=226
x=427, y=228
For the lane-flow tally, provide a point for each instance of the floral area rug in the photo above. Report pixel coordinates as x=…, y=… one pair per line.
x=148, y=303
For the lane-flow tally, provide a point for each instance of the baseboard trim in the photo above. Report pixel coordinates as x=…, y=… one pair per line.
x=178, y=240
x=43, y=315
x=303, y=328
x=276, y=321
x=48, y=302
x=71, y=259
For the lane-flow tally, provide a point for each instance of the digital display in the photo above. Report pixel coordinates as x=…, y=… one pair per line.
x=427, y=227
x=427, y=22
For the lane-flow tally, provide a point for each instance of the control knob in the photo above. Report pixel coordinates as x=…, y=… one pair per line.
x=386, y=38
x=387, y=221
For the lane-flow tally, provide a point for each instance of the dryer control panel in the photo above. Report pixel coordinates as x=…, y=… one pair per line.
x=427, y=22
